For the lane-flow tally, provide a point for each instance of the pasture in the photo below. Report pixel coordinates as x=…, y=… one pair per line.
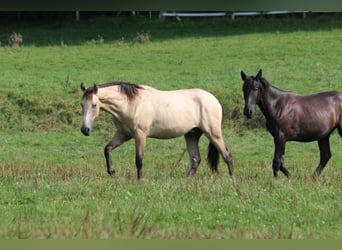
x=53, y=180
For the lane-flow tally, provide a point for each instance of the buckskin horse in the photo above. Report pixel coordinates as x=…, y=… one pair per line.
x=293, y=117
x=140, y=111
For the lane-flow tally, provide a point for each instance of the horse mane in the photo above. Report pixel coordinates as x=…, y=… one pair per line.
x=270, y=86
x=131, y=90
x=264, y=81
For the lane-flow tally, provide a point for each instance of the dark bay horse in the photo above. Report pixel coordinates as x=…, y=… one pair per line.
x=293, y=117
x=140, y=111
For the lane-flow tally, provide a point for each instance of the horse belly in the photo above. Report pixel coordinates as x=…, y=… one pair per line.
x=307, y=131
x=171, y=128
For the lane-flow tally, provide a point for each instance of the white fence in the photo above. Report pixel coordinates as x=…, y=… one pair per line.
x=178, y=15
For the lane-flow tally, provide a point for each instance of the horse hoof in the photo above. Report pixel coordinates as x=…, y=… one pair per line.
x=190, y=174
x=111, y=173
x=315, y=177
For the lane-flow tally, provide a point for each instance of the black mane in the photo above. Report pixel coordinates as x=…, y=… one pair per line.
x=131, y=90
x=269, y=85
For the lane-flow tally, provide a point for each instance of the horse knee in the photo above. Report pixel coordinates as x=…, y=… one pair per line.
x=325, y=156
x=107, y=150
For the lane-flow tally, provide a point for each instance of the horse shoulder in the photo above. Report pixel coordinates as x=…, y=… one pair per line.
x=285, y=105
x=284, y=114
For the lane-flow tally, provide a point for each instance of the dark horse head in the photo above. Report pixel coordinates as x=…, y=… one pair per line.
x=251, y=86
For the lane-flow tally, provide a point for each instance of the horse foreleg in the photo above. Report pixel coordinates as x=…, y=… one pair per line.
x=278, y=160
x=116, y=141
x=325, y=155
x=140, y=141
x=192, y=139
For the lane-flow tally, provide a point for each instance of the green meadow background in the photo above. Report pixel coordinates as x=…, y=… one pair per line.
x=53, y=180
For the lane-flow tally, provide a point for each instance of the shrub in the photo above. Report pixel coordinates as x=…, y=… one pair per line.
x=15, y=40
x=142, y=37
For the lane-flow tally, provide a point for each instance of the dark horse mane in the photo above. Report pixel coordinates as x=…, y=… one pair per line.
x=269, y=85
x=131, y=90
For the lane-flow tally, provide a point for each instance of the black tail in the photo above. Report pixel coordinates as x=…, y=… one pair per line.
x=213, y=157
x=340, y=130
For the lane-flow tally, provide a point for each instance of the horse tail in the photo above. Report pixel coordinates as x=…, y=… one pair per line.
x=213, y=157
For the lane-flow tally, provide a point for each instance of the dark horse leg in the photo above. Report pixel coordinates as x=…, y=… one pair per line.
x=192, y=139
x=325, y=154
x=278, y=160
x=117, y=140
x=140, y=142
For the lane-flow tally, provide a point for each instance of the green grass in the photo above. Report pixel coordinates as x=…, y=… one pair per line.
x=53, y=179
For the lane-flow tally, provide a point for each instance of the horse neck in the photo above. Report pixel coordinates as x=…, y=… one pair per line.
x=111, y=100
x=268, y=95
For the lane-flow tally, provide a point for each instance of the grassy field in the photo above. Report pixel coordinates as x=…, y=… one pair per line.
x=53, y=182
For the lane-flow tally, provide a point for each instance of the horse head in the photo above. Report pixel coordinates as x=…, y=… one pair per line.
x=251, y=92
x=90, y=107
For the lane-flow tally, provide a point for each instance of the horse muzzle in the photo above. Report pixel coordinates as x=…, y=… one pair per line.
x=248, y=112
x=85, y=130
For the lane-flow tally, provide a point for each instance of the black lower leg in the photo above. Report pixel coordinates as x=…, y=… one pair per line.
x=107, y=152
x=276, y=167
x=229, y=160
x=194, y=162
x=325, y=155
x=139, y=165
x=285, y=171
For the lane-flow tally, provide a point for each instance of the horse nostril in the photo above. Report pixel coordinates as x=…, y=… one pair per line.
x=85, y=131
x=248, y=112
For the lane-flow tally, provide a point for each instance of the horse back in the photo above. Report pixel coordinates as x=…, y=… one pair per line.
x=309, y=117
x=329, y=100
x=167, y=114
x=184, y=98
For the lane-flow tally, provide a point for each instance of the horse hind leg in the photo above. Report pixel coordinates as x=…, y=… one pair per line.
x=325, y=155
x=192, y=139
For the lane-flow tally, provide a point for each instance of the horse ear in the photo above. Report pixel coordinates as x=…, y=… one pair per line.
x=83, y=88
x=243, y=75
x=95, y=88
x=259, y=75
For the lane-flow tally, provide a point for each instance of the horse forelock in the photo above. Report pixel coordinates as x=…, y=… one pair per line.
x=88, y=93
